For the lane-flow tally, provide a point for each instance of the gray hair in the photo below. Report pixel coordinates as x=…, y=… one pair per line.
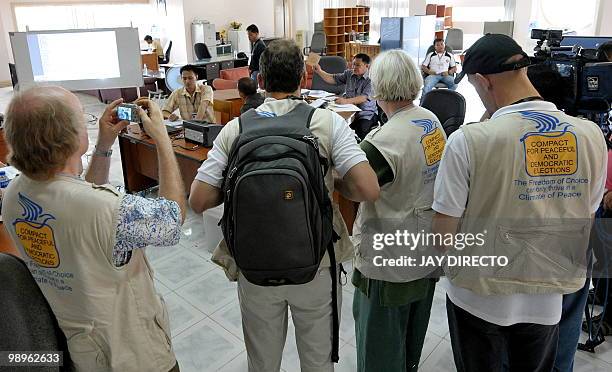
x=42, y=130
x=395, y=77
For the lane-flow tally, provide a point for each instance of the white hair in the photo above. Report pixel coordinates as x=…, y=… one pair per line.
x=395, y=77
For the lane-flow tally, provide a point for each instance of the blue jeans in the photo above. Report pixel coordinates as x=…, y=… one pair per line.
x=432, y=80
x=570, y=327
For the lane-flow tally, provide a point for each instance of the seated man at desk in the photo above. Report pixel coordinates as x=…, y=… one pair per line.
x=155, y=46
x=358, y=91
x=439, y=67
x=194, y=101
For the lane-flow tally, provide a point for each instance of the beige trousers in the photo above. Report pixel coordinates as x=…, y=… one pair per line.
x=264, y=322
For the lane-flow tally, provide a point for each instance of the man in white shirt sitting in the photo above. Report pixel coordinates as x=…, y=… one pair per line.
x=439, y=66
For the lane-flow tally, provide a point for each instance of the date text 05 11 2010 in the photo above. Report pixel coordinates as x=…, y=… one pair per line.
x=31, y=358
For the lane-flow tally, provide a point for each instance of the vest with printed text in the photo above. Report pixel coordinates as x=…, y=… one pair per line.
x=412, y=143
x=530, y=186
x=112, y=317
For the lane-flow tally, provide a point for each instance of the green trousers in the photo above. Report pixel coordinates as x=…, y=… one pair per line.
x=390, y=323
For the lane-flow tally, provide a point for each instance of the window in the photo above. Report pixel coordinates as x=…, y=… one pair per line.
x=567, y=15
x=83, y=16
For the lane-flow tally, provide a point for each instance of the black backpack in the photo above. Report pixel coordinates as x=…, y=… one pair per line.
x=277, y=218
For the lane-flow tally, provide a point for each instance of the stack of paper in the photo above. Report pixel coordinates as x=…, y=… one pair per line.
x=317, y=93
x=349, y=107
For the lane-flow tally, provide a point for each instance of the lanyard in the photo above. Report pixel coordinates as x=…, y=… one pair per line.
x=528, y=99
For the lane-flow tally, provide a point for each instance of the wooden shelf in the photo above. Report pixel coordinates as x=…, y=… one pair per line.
x=339, y=23
x=444, y=15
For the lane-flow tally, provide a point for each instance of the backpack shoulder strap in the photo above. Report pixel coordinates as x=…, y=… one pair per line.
x=254, y=120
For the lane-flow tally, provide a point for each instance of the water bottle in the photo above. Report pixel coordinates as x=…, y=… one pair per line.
x=4, y=182
x=146, y=70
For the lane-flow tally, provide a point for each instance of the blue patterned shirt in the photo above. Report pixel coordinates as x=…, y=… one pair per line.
x=142, y=222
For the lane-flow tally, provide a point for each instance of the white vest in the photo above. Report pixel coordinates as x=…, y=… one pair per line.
x=530, y=190
x=112, y=316
x=411, y=142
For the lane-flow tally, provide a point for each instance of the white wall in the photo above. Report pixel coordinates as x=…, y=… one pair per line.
x=221, y=13
x=604, y=19
x=4, y=58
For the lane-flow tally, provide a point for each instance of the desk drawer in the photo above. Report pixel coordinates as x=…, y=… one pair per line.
x=227, y=64
x=212, y=71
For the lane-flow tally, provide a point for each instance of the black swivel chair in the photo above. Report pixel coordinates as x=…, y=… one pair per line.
x=27, y=321
x=241, y=60
x=448, y=106
x=332, y=65
x=201, y=51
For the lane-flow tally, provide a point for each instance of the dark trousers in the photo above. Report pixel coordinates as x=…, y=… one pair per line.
x=482, y=346
x=390, y=338
x=363, y=126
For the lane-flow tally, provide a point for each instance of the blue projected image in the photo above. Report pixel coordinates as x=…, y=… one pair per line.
x=34, y=49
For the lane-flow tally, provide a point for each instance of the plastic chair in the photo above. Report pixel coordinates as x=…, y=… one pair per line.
x=318, y=43
x=454, y=40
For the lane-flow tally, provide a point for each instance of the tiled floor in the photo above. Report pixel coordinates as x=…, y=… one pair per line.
x=203, y=304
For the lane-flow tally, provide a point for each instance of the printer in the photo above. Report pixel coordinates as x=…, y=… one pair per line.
x=201, y=132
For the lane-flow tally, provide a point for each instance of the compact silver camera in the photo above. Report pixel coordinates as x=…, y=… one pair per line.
x=129, y=112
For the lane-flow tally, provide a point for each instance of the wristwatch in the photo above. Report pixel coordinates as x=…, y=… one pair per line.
x=105, y=154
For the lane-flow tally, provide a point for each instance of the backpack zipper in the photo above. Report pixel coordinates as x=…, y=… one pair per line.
x=314, y=140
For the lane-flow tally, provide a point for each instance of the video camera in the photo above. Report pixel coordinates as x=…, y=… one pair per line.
x=580, y=65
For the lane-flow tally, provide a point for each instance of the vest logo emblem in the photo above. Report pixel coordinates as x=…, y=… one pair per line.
x=433, y=141
x=35, y=234
x=288, y=195
x=552, y=150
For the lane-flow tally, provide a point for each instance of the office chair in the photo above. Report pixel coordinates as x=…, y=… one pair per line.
x=454, y=39
x=448, y=106
x=318, y=43
x=167, y=54
x=27, y=321
x=332, y=65
x=241, y=60
x=430, y=50
x=201, y=51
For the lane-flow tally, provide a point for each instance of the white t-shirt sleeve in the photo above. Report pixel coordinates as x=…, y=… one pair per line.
x=427, y=60
x=211, y=171
x=452, y=182
x=451, y=62
x=346, y=153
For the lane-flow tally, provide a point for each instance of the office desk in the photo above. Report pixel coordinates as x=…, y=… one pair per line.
x=139, y=160
x=140, y=166
x=149, y=59
x=227, y=103
x=209, y=68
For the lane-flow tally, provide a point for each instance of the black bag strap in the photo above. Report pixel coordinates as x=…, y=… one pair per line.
x=335, y=318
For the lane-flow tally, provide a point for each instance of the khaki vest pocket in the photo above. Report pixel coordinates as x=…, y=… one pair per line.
x=86, y=353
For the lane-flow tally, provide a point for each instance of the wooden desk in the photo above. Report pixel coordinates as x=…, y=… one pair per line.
x=139, y=163
x=149, y=59
x=227, y=104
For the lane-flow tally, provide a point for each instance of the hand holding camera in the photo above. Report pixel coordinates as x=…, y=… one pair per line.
x=110, y=125
x=152, y=119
